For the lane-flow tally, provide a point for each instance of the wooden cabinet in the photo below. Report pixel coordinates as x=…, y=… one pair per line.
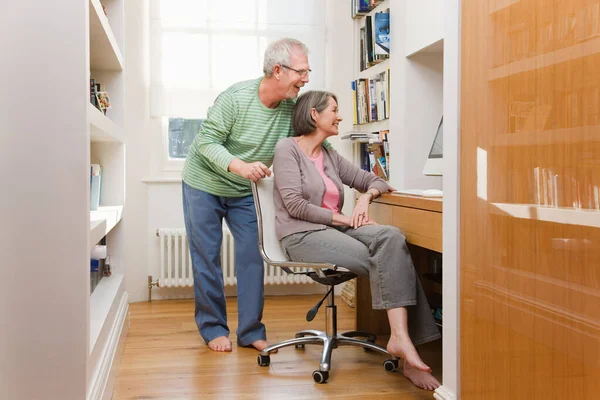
x=529, y=200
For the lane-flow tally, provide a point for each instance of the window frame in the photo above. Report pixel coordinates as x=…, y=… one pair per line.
x=168, y=163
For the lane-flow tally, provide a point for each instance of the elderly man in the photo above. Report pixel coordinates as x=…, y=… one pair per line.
x=235, y=146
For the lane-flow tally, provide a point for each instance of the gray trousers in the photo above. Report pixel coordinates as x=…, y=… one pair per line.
x=379, y=252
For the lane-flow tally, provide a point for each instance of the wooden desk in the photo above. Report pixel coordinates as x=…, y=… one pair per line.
x=421, y=221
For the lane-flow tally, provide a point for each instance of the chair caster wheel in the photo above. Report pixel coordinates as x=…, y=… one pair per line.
x=299, y=346
x=320, y=376
x=390, y=365
x=263, y=361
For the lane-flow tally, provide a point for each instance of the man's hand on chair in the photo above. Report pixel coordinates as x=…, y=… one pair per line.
x=254, y=171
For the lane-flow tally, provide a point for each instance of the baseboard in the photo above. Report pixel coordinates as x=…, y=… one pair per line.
x=443, y=393
x=114, y=370
x=102, y=386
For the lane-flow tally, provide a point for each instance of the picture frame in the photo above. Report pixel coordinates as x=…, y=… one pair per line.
x=103, y=101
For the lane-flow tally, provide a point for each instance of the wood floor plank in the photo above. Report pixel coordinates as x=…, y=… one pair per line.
x=165, y=358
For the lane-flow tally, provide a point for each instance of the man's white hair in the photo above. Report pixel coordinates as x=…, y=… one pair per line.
x=279, y=51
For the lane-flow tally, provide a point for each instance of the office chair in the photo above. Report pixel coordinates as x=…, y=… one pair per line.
x=323, y=273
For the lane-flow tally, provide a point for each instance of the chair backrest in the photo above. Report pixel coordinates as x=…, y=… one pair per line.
x=270, y=248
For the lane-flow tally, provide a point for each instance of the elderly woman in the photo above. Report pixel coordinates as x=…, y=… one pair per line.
x=309, y=195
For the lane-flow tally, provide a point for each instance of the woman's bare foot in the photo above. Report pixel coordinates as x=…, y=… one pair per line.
x=261, y=344
x=403, y=348
x=220, y=344
x=421, y=379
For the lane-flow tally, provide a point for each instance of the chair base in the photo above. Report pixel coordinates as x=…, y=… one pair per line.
x=329, y=342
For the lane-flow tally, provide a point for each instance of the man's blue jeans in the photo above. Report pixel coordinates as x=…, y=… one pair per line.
x=203, y=214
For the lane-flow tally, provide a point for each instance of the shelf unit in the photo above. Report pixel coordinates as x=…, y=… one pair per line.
x=415, y=89
x=108, y=302
x=529, y=194
x=70, y=349
x=549, y=59
x=559, y=215
x=548, y=137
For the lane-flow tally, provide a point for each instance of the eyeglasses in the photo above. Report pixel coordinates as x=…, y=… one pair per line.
x=301, y=72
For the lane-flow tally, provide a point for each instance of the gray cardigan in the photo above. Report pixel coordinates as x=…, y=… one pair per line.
x=299, y=188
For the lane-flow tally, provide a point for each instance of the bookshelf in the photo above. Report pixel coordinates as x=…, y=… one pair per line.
x=414, y=95
x=107, y=297
x=62, y=339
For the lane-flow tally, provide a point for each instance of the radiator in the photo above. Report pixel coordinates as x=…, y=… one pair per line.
x=176, y=262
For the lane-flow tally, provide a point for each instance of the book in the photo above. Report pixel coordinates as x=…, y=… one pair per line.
x=382, y=33
x=95, y=186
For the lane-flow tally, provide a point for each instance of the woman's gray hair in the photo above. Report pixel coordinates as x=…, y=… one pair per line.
x=279, y=51
x=302, y=122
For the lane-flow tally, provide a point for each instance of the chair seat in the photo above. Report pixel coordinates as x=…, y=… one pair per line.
x=332, y=277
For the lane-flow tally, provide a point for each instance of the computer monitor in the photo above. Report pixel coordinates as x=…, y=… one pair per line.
x=435, y=161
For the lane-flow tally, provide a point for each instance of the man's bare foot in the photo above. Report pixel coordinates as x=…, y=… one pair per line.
x=261, y=344
x=220, y=344
x=403, y=348
x=421, y=379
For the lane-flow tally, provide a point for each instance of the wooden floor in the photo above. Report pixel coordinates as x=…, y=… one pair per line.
x=165, y=358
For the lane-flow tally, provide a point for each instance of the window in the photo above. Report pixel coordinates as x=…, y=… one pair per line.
x=180, y=135
x=198, y=48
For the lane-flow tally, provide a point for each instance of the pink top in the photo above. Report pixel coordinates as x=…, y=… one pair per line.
x=332, y=196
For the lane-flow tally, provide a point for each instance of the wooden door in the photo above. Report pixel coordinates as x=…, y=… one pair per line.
x=530, y=199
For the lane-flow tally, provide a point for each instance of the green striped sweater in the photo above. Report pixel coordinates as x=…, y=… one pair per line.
x=237, y=125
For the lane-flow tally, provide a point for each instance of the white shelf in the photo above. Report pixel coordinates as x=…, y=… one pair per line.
x=375, y=69
x=374, y=126
x=101, y=301
x=559, y=215
x=575, y=52
x=435, y=47
x=104, y=50
x=549, y=137
x=97, y=231
x=102, y=221
x=102, y=129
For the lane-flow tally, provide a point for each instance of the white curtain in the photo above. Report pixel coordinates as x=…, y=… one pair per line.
x=200, y=47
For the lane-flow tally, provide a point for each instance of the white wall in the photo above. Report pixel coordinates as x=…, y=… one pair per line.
x=424, y=24
x=423, y=91
x=44, y=212
x=135, y=217
x=398, y=64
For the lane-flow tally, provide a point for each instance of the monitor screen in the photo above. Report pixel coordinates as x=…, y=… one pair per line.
x=435, y=160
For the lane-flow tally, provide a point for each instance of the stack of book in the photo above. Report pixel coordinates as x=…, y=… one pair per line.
x=371, y=98
x=364, y=137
